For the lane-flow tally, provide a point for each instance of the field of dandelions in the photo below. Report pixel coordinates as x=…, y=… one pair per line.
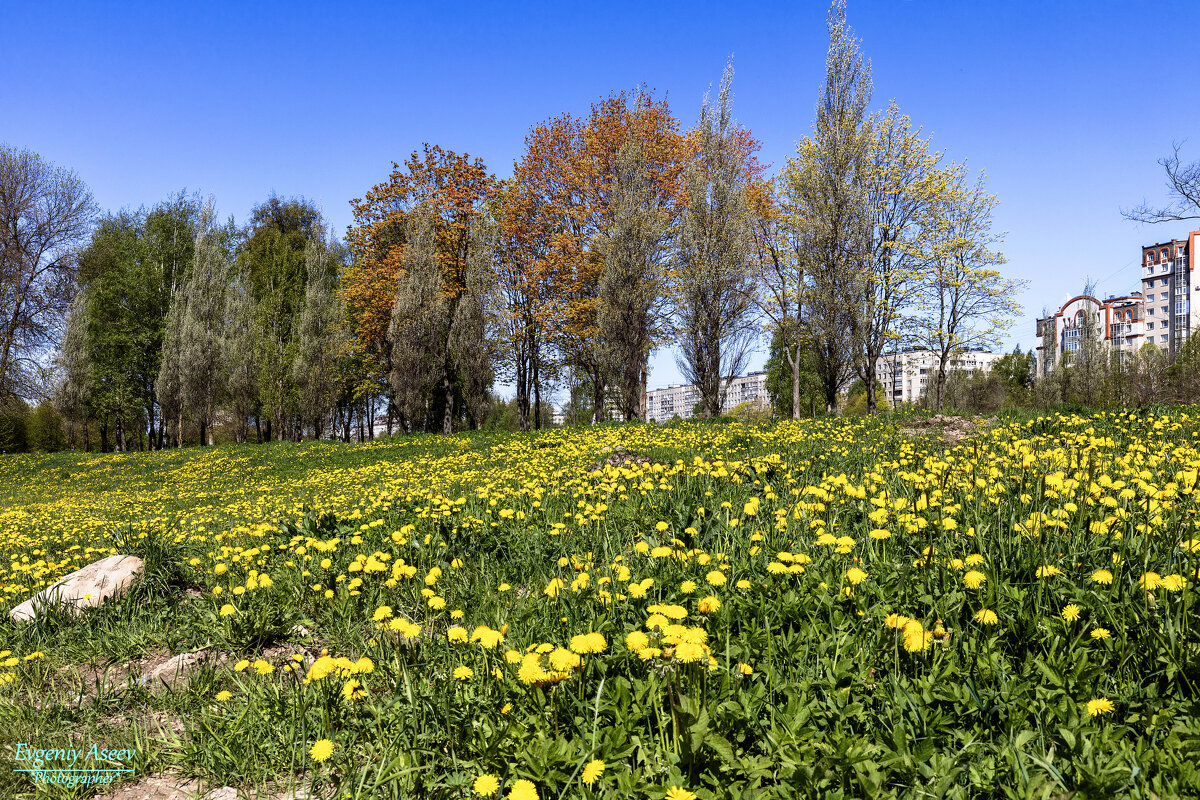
x=832, y=608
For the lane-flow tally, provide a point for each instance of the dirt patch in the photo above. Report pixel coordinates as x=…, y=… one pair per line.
x=621, y=459
x=170, y=786
x=952, y=429
x=155, y=787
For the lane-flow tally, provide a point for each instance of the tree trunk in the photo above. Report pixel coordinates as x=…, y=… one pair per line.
x=795, y=362
x=203, y=432
x=598, y=414
x=537, y=398
x=872, y=401
x=940, y=392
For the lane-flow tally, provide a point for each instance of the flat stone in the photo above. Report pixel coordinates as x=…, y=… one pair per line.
x=84, y=588
x=171, y=670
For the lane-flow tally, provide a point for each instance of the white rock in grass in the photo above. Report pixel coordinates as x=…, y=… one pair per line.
x=87, y=587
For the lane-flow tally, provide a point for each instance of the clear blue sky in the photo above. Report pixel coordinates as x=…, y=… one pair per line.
x=1066, y=106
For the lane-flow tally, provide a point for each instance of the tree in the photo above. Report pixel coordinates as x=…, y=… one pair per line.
x=826, y=206
x=712, y=287
x=45, y=213
x=633, y=278
x=964, y=303
x=525, y=292
x=420, y=315
x=1183, y=187
x=202, y=327
x=1016, y=371
x=45, y=433
x=450, y=190
x=75, y=369
x=794, y=393
x=323, y=339
x=779, y=261
x=905, y=192
x=567, y=179
x=272, y=262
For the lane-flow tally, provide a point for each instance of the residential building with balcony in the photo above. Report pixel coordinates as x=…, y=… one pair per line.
x=1164, y=312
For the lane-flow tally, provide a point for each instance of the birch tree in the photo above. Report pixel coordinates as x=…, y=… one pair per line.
x=45, y=214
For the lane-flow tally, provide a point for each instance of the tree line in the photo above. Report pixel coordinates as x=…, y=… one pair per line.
x=618, y=232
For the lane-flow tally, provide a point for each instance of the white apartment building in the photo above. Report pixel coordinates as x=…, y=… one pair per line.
x=906, y=374
x=663, y=404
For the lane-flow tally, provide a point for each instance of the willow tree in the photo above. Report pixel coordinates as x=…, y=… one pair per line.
x=323, y=340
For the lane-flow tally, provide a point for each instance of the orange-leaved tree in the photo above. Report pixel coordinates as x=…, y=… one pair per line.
x=566, y=181
x=453, y=188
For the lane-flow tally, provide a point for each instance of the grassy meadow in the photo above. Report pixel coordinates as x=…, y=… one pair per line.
x=835, y=608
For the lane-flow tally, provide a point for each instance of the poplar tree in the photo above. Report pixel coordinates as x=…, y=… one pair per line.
x=826, y=205
x=713, y=288
x=631, y=289
x=420, y=316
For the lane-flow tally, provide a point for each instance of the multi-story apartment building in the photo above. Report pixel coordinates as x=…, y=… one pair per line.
x=906, y=374
x=1115, y=322
x=663, y=404
x=1162, y=312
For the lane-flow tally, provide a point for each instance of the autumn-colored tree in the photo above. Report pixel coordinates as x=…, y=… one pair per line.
x=567, y=178
x=526, y=298
x=454, y=188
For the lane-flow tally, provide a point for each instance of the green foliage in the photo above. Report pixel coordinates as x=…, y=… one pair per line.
x=780, y=375
x=856, y=399
x=14, y=426
x=46, y=430
x=831, y=703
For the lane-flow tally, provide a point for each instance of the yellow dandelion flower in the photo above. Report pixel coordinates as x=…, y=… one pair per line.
x=855, y=576
x=1102, y=576
x=321, y=750
x=679, y=793
x=715, y=578
x=1101, y=705
x=973, y=579
x=523, y=790
x=486, y=785
x=222, y=696
x=1070, y=612
x=228, y=610
x=463, y=673
x=592, y=772
x=985, y=616
x=1100, y=633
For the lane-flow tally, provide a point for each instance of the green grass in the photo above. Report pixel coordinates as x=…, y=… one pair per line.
x=833, y=701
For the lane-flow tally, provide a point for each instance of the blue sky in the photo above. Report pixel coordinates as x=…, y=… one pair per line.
x=1066, y=106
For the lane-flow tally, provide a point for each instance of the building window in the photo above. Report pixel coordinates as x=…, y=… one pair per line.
x=1150, y=311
